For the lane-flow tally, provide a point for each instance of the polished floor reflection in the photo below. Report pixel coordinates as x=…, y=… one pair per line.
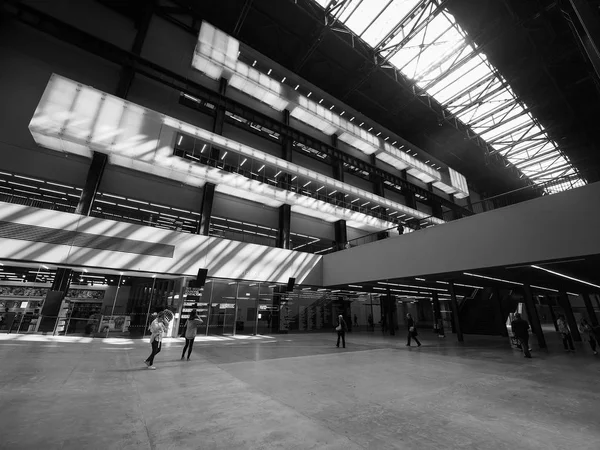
x=296, y=392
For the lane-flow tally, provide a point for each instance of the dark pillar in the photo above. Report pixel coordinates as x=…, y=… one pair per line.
x=378, y=185
x=499, y=312
x=550, y=301
x=208, y=197
x=219, y=120
x=411, y=200
x=563, y=301
x=286, y=141
x=94, y=176
x=436, y=209
x=338, y=169
x=341, y=238
x=454, y=308
x=127, y=73
x=283, y=232
x=437, y=310
x=590, y=309
x=532, y=314
x=588, y=18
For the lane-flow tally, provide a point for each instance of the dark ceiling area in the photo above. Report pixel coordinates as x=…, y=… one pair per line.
x=533, y=45
x=548, y=275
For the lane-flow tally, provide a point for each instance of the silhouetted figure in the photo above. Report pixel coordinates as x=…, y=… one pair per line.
x=565, y=332
x=587, y=330
x=520, y=328
x=412, y=330
x=341, y=329
x=191, y=329
x=370, y=321
x=355, y=320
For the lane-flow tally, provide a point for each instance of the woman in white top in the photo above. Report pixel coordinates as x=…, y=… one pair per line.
x=158, y=327
x=191, y=328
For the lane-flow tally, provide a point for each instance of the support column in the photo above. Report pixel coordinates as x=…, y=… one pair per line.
x=411, y=200
x=437, y=310
x=563, y=301
x=454, y=307
x=590, y=310
x=550, y=302
x=341, y=237
x=92, y=182
x=128, y=73
x=436, y=209
x=499, y=312
x=532, y=314
x=588, y=18
x=208, y=197
x=219, y=120
x=283, y=232
x=286, y=141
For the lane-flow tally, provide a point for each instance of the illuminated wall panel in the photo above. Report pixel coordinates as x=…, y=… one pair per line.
x=279, y=96
x=222, y=258
x=79, y=119
x=460, y=183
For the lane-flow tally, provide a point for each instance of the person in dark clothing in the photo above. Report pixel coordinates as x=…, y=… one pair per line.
x=341, y=329
x=412, y=330
x=588, y=331
x=520, y=328
x=191, y=329
x=355, y=320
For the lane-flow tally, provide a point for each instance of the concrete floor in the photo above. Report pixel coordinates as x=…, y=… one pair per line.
x=296, y=392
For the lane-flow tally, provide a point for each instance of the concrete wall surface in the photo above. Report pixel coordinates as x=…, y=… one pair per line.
x=553, y=227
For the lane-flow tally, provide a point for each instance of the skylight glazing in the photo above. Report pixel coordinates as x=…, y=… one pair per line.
x=423, y=40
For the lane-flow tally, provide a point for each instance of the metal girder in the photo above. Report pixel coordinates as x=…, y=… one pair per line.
x=564, y=168
x=534, y=161
x=110, y=52
x=242, y=17
x=590, y=23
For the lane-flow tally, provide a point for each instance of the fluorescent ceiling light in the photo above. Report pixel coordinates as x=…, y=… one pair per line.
x=491, y=278
x=566, y=276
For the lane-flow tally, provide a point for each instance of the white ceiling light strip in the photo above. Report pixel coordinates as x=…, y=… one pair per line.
x=216, y=49
x=558, y=274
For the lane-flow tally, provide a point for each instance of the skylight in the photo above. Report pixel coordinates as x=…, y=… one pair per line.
x=424, y=41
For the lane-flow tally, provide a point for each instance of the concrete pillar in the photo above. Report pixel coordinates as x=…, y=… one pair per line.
x=208, y=197
x=563, y=301
x=499, y=312
x=533, y=316
x=454, y=308
x=92, y=183
x=219, y=121
x=341, y=236
x=283, y=231
x=590, y=310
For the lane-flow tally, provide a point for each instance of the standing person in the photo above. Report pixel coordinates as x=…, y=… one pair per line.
x=412, y=330
x=520, y=328
x=588, y=331
x=563, y=329
x=341, y=329
x=355, y=320
x=191, y=328
x=158, y=327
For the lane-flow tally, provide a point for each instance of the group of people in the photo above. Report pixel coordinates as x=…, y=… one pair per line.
x=411, y=326
x=159, y=327
x=520, y=328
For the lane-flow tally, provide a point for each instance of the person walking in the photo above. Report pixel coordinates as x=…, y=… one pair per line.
x=191, y=328
x=520, y=328
x=355, y=320
x=341, y=329
x=565, y=332
x=412, y=330
x=158, y=328
x=588, y=331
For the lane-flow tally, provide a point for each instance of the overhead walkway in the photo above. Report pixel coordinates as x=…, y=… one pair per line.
x=559, y=226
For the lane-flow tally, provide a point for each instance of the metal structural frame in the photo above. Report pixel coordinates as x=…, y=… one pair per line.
x=67, y=33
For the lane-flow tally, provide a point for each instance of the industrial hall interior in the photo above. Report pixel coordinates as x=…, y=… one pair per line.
x=299, y=224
